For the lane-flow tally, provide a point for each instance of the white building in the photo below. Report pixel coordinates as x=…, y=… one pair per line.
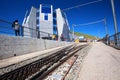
x=30, y=24
x=62, y=25
x=47, y=21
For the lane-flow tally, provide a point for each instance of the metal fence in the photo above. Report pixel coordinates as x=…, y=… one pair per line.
x=114, y=39
x=6, y=28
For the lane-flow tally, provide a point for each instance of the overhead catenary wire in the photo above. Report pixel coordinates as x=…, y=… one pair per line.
x=85, y=24
x=82, y=5
x=95, y=22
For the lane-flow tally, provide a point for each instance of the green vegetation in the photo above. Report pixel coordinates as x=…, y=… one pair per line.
x=85, y=35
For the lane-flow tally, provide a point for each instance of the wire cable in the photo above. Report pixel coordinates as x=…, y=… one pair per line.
x=90, y=23
x=81, y=5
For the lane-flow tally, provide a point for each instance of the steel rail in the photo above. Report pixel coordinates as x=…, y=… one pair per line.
x=25, y=71
x=41, y=65
x=51, y=69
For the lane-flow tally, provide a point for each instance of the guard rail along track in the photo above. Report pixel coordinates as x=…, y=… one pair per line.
x=41, y=66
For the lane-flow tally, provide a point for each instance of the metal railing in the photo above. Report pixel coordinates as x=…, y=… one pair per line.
x=6, y=28
x=114, y=39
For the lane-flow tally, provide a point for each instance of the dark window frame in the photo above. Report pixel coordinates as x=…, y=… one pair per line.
x=46, y=17
x=46, y=9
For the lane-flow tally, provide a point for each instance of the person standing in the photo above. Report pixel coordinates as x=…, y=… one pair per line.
x=16, y=27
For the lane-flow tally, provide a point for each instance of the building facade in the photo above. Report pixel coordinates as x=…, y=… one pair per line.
x=48, y=22
x=29, y=24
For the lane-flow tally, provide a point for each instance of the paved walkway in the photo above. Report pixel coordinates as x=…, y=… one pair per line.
x=101, y=63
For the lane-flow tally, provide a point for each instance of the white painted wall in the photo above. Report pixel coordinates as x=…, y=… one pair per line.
x=46, y=25
x=30, y=23
x=62, y=25
x=60, y=22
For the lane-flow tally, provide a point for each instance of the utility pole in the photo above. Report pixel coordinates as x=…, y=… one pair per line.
x=115, y=21
x=106, y=28
x=73, y=30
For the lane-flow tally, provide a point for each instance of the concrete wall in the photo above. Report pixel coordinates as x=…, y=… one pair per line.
x=62, y=25
x=46, y=25
x=10, y=45
x=30, y=23
x=60, y=22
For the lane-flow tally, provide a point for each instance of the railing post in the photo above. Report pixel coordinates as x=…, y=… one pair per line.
x=22, y=31
x=108, y=40
x=48, y=36
x=115, y=39
x=38, y=34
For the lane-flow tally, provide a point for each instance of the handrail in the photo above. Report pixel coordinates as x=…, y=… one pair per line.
x=4, y=29
x=114, y=39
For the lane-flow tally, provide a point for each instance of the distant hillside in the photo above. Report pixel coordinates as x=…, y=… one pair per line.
x=85, y=35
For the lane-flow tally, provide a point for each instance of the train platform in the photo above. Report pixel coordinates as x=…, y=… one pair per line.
x=101, y=63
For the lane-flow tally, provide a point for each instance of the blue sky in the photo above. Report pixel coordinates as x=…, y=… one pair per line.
x=16, y=9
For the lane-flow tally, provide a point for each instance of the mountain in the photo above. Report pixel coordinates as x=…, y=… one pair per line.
x=85, y=35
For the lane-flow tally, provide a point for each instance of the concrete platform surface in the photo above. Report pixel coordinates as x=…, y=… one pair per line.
x=101, y=63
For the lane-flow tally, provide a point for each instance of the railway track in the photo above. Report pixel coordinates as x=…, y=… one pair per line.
x=39, y=69
x=61, y=71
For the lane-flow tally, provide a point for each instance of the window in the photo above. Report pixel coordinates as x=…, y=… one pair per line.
x=37, y=21
x=54, y=14
x=37, y=14
x=46, y=9
x=55, y=28
x=54, y=22
x=46, y=17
